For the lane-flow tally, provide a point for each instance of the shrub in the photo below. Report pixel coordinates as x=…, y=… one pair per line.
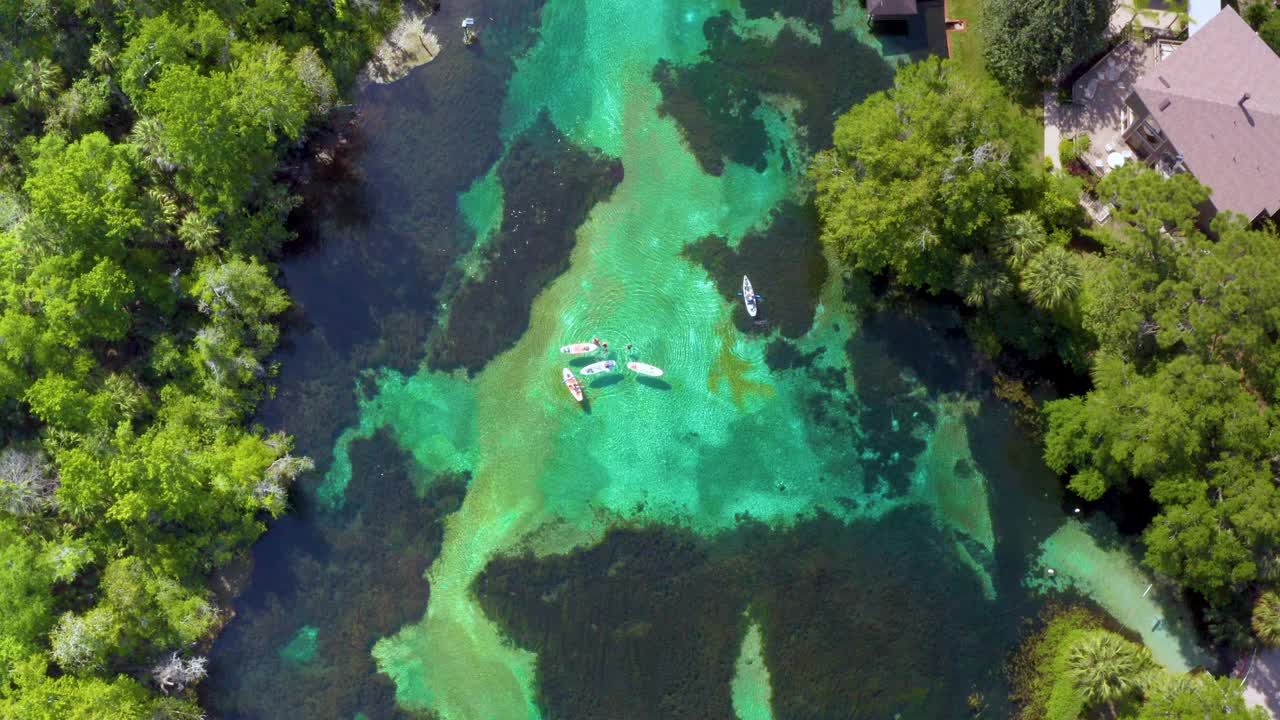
x=1038, y=669
x=1257, y=14
x=1266, y=618
x=1070, y=149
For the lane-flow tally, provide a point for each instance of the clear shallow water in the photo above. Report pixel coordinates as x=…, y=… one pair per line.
x=846, y=533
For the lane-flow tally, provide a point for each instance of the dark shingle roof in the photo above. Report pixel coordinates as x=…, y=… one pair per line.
x=1217, y=97
x=891, y=8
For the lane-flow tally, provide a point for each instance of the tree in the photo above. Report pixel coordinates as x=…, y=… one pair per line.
x=1270, y=31
x=128, y=474
x=1052, y=279
x=1157, y=240
x=88, y=190
x=198, y=232
x=240, y=299
x=175, y=674
x=38, y=83
x=27, y=482
x=83, y=643
x=26, y=596
x=921, y=175
x=1172, y=696
x=222, y=127
x=1106, y=668
x=1266, y=618
x=982, y=280
x=1032, y=41
x=1198, y=439
x=1222, y=302
x=1025, y=236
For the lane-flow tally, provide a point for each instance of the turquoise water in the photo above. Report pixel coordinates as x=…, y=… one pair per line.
x=838, y=522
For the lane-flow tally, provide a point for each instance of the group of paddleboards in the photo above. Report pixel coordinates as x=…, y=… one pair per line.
x=596, y=368
x=749, y=298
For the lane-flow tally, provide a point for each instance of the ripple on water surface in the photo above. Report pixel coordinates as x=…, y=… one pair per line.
x=754, y=480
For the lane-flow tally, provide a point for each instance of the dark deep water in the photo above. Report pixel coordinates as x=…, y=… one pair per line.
x=867, y=618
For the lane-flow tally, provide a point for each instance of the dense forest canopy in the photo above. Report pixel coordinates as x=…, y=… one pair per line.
x=139, y=214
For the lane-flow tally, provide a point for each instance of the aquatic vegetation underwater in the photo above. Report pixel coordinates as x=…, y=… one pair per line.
x=823, y=514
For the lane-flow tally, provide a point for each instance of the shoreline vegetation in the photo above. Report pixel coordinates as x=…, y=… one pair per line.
x=140, y=211
x=1168, y=317
x=142, y=206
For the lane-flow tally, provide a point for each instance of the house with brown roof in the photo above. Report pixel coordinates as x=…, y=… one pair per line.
x=1212, y=108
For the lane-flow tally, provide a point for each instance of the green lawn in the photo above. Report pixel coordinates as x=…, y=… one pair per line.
x=966, y=45
x=966, y=50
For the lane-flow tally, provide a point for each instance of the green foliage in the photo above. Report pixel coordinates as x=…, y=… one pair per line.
x=935, y=184
x=920, y=176
x=89, y=191
x=1105, y=668
x=1052, y=279
x=1187, y=367
x=30, y=693
x=1266, y=618
x=1028, y=42
x=1202, y=697
x=1074, y=668
x=1270, y=31
x=26, y=595
x=929, y=185
x=222, y=127
x=1070, y=149
x=1257, y=14
x=138, y=216
x=1038, y=669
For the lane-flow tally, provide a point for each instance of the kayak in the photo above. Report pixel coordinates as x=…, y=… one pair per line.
x=571, y=382
x=748, y=296
x=598, y=367
x=644, y=369
x=579, y=348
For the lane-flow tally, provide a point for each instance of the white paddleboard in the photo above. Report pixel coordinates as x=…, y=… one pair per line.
x=579, y=348
x=748, y=296
x=571, y=382
x=598, y=367
x=644, y=369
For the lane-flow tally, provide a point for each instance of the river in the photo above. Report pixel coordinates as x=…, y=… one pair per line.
x=820, y=512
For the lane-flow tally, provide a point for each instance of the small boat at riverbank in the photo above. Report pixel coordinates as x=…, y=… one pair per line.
x=579, y=348
x=748, y=296
x=598, y=367
x=571, y=382
x=644, y=369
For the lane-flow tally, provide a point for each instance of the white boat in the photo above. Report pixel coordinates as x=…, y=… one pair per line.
x=598, y=367
x=748, y=296
x=579, y=348
x=571, y=382
x=644, y=369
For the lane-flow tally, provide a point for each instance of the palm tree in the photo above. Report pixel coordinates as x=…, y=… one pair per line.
x=1266, y=618
x=37, y=82
x=1024, y=235
x=198, y=232
x=982, y=280
x=101, y=59
x=148, y=136
x=1052, y=278
x=1106, y=668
